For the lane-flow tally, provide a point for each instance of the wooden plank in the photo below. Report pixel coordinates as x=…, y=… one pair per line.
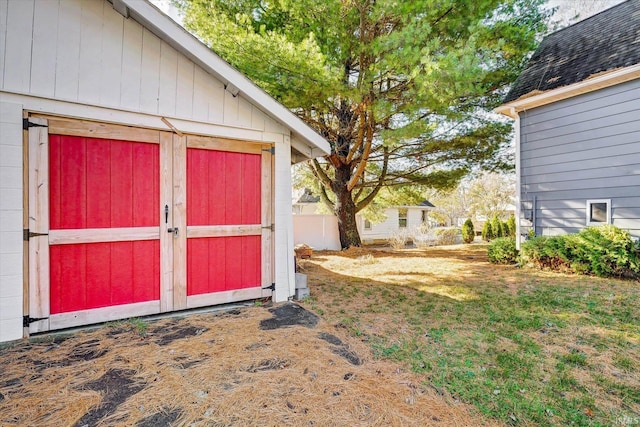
x=184, y=91
x=38, y=277
x=106, y=314
x=195, y=231
x=68, y=59
x=150, y=69
x=90, y=65
x=98, y=235
x=38, y=222
x=95, y=275
x=38, y=177
x=201, y=97
x=223, y=144
x=166, y=222
x=131, y=75
x=168, y=77
x=112, y=46
x=44, y=51
x=180, y=221
x=266, y=217
x=224, y=297
x=85, y=128
x=17, y=54
x=26, y=169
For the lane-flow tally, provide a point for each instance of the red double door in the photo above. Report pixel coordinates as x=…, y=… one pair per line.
x=127, y=222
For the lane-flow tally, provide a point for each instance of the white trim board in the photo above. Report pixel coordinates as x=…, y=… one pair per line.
x=610, y=78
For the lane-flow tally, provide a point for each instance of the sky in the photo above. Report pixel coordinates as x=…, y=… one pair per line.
x=569, y=11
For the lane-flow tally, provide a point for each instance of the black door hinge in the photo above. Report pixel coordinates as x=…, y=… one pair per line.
x=272, y=287
x=271, y=150
x=26, y=124
x=271, y=227
x=27, y=320
x=26, y=234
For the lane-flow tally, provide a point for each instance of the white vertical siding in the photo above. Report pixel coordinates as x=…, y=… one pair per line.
x=67, y=45
x=11, y=293
x=17, y=53
x=45, y=23
x=84, y=51
x=131, y=63
x=150, y=73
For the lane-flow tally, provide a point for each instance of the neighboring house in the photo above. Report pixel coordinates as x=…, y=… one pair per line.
x=577, y=112
x=157, y=178
x=306, y=204
x=398, y=219
x=320, y=231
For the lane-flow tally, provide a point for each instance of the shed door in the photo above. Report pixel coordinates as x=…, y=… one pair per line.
x=228, y=221
x=129, y=222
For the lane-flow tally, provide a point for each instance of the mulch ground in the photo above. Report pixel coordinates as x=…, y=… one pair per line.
x=256, y=366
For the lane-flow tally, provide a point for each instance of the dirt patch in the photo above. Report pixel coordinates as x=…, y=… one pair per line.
x=177, y=332
x=340, y=348
x=163, y=418
x=116, y=386
x=289, y=314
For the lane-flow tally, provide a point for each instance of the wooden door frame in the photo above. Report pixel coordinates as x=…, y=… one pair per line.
x=264, y=229
x=38, y=297
x=172, y=187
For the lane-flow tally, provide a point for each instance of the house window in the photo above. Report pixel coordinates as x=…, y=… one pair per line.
x=402, y=217
x=367, y=224
x=599, y=212
x=424, y=217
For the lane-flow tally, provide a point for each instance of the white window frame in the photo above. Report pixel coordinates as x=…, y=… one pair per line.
x=367, y=224
x=588, y=211
x=403, y=217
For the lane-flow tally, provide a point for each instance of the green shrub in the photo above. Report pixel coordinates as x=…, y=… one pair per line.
x=511, y=226
x=496, y=227
x=468, y=233
x=602, y=251
x=487, y=232
x=503, y=251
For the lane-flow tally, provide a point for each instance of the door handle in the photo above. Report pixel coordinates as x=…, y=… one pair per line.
x=173, y=230
x=166, y=214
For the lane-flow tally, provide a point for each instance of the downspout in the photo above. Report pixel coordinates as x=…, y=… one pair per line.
x=516, y=116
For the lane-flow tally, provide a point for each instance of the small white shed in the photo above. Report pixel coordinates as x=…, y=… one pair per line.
x=139, y=172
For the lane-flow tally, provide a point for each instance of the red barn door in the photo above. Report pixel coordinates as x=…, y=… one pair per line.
x=129, y=222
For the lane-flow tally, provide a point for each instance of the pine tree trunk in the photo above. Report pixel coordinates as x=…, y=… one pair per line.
x=345, y=210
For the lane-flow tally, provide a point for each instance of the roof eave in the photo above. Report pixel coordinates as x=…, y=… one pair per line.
x=607, y=79
x=236, y=82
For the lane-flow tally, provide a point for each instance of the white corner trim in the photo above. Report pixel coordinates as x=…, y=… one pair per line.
x=516, y=127
x=602, y=81
x=176, y=36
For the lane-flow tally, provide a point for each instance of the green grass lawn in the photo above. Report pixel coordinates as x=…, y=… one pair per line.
x=523, y=346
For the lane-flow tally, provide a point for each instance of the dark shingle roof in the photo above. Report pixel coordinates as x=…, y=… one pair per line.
x=606, y=41
x=308, y=197
x=427, y=204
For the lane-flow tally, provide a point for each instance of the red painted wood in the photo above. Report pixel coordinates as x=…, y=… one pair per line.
x=223, y=188
x=218, y=264
x=99, y=196
x=94, y=275
x=100, y=183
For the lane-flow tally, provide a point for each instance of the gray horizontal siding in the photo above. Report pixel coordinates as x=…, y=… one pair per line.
x=586, y=147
